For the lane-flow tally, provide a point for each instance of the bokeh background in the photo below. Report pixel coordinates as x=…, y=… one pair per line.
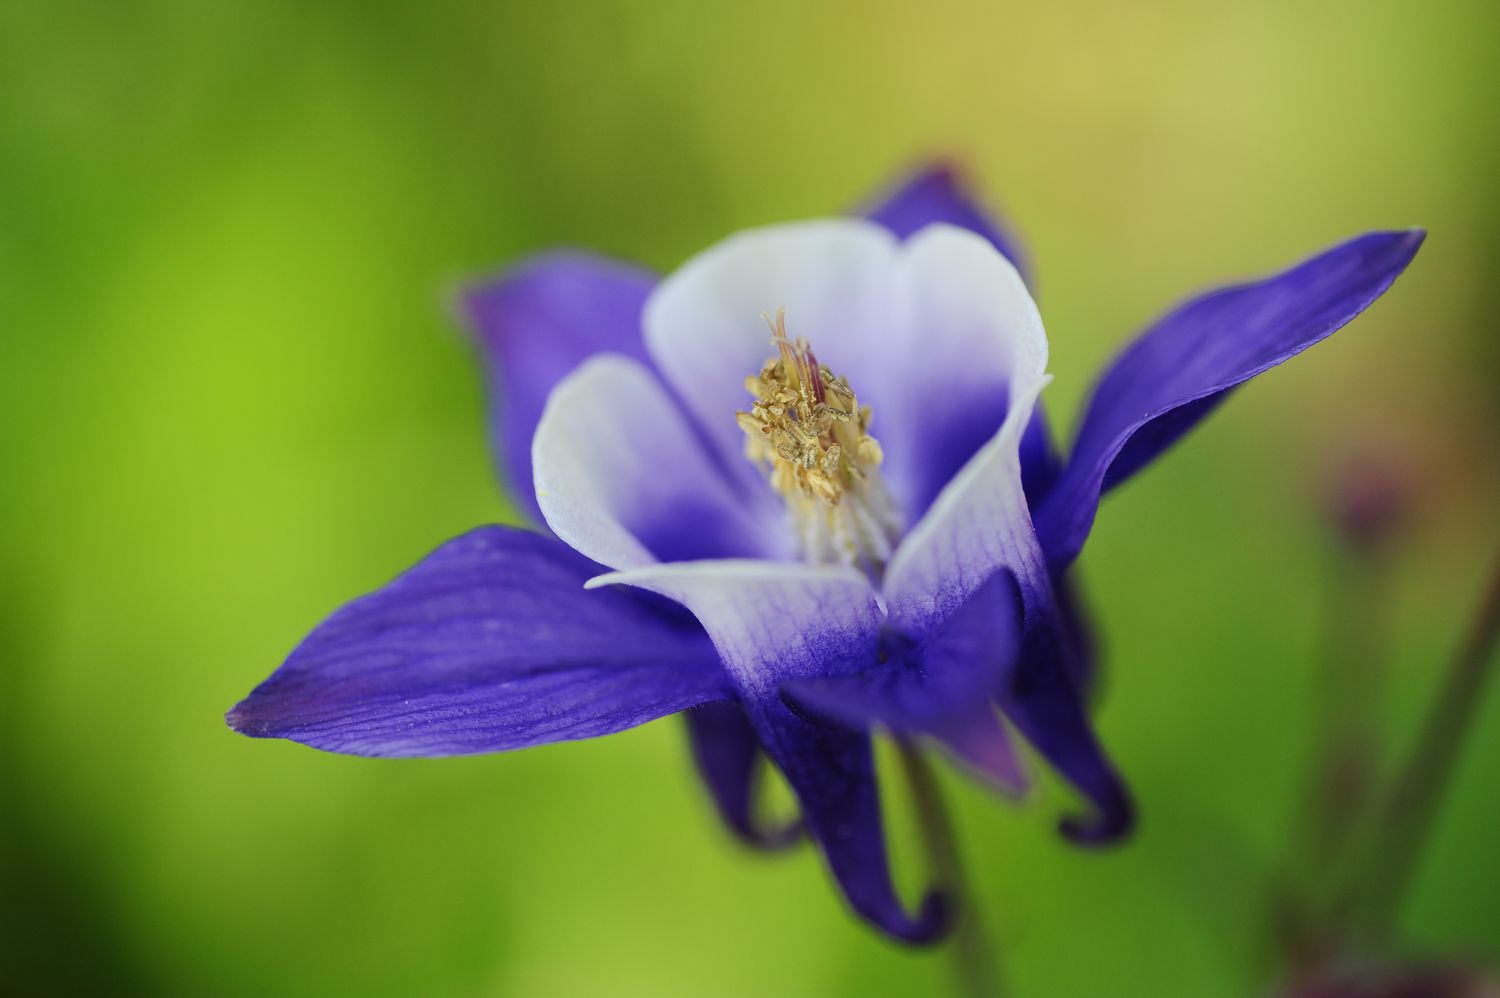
x=234, y=397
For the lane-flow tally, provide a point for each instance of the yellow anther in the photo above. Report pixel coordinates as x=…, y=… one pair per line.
x=807, y=429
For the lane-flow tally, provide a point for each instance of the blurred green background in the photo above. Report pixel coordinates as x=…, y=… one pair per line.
x=234, y=397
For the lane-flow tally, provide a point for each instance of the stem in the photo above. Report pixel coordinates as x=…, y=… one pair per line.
x=1340, y=792
x=973, y=963
x=1419, y=790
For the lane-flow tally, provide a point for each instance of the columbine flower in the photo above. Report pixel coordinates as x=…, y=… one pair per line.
x=803, y=487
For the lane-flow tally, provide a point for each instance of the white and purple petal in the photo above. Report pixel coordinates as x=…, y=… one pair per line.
x=623, y=479
x=930, y=333
x=772, y=621
x=978, y=525
x=489, y=643
x=970, y=347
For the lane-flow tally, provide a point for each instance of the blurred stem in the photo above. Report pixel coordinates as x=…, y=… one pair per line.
x=1340, y=788
x=1354, y=677
x=1418, y=792
x=974, y=966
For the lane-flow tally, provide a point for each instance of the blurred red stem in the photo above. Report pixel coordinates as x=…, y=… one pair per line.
x=1419, y=790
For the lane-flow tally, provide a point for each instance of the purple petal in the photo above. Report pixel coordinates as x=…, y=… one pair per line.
x=776, y=622
x=832, y=772
x=1178, y=370
x=1042, y=699
x=977, y=738
x=1078, y=633
x=729, y=758
x=534, y=324
x=489, y=643
x=939, y=194
x=1040, y=463
x=940, y=684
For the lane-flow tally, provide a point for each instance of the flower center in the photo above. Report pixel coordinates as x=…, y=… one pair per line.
x=807, y=428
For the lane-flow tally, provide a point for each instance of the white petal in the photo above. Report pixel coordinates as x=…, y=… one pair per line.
x=621, y=478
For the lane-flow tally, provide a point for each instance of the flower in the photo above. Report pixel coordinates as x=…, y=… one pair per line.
x=799, y=488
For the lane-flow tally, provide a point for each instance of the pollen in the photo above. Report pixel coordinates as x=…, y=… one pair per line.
x=807, y=429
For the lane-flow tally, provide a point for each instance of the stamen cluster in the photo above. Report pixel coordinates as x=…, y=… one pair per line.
x=807, y=428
